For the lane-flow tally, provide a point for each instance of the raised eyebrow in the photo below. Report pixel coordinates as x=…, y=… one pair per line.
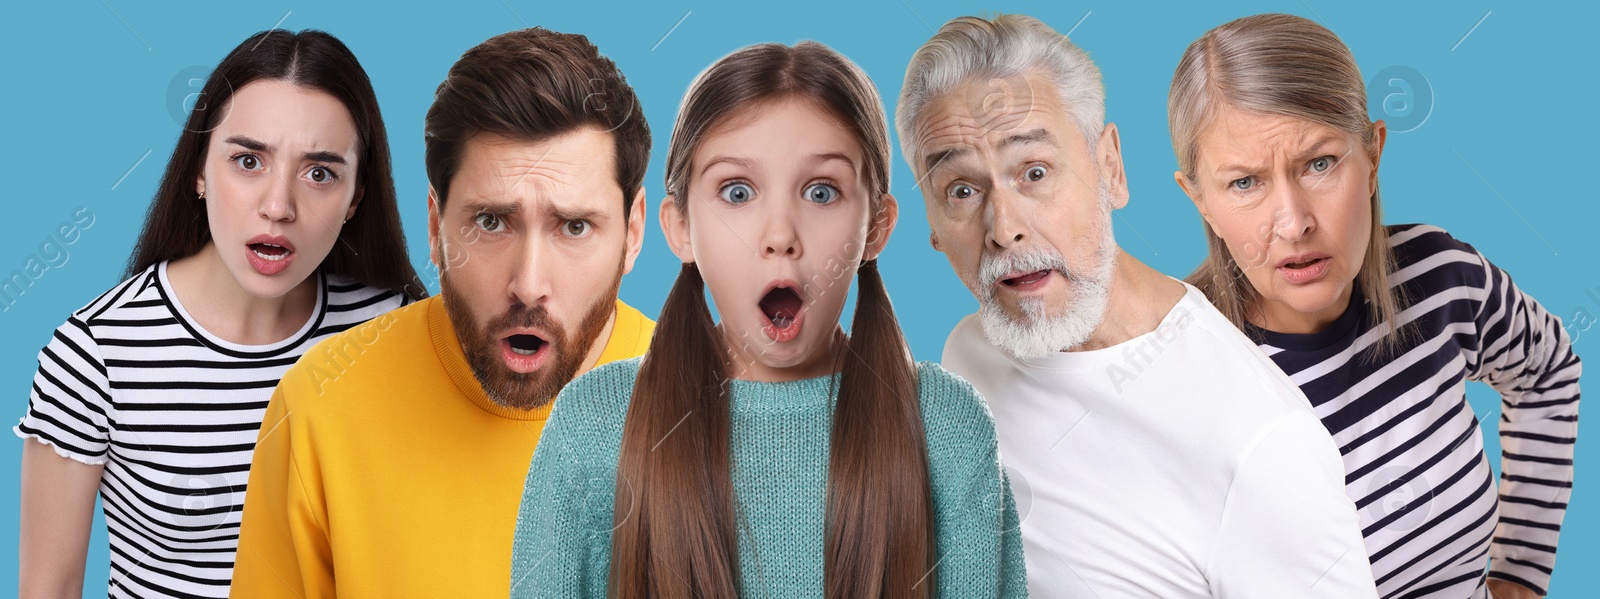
x=933, y=160
x=833, y=156
x=1039, y=135
x=734, y=160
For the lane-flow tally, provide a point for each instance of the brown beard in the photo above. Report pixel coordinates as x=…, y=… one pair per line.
x=516, y=390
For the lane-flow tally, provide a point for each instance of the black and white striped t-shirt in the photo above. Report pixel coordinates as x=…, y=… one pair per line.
x=131, y=382
x=1413, y=452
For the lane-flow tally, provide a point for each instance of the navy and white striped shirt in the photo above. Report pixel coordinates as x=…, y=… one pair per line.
x=172, y=412
x=1413, y=451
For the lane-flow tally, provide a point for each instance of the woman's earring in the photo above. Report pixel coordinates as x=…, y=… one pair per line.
x=202, y=195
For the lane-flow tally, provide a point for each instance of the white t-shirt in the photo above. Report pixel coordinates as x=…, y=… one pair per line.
x=1181, y=463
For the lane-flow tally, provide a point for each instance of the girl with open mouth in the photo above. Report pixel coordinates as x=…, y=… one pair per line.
x=772, y=454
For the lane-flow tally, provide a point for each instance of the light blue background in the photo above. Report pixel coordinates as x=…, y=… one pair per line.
x=1504, y=159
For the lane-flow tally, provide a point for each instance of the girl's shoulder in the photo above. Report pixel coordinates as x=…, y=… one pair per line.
x=593, y=407
x=954, y=414
x=605, y=387
x=941, y=389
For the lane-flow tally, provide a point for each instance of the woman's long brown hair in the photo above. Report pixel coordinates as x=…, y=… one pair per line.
x=373, y=246
x=676, y=532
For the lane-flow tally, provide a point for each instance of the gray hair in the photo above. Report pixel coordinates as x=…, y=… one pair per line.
x=970, y=49
x=1283, y=65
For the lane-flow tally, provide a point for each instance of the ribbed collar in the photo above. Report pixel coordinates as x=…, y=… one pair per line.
x=791, y=396
x=448, y=347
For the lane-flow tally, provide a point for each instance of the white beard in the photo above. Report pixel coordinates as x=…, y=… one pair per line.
x=1038, y=333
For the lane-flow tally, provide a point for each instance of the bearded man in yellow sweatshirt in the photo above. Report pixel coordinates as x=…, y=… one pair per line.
x=392, y=457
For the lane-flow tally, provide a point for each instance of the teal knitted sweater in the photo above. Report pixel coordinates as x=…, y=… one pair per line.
x=780, y=442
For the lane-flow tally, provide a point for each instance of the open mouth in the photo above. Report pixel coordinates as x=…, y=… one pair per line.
x=782, y=306
x=269, y=252
x=1308, y=270
x=1032, y=277
x=525, y=345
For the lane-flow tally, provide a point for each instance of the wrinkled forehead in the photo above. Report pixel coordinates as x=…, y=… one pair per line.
x=571, y=173
x=988, y=114
x=1232, y=135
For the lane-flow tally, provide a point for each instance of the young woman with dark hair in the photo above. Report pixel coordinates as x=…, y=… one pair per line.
x=772, y=455
x=274, y=226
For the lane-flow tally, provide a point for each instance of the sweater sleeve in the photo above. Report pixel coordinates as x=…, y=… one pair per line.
x=1013, y=576
x=1523, y=352
x=978, y=535
x=562, y=544
x=284, y=550
x=1288, y=529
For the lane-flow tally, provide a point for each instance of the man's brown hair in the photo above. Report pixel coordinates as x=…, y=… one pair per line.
x=531, y=85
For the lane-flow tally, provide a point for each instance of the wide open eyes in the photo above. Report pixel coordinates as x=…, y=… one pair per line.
x=737, y=193
x=821, y=193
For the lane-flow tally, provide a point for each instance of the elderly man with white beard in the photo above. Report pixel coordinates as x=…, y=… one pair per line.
x=1154, y=450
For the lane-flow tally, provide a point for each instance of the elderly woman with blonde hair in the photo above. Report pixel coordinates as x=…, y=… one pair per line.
x=1380, y=326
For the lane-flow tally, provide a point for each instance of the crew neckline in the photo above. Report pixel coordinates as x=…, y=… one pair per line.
x=169, y=295
x=447, y=347
x=1341, y=328
x=797, y=395
x=1189, y=305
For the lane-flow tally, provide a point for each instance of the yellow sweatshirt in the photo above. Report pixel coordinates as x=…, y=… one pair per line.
x=383, y=470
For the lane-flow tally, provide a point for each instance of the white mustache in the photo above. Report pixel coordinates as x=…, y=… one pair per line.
x=997, y=266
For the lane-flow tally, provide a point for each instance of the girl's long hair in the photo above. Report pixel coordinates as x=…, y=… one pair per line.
x=676, y=532
x=373, y=246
